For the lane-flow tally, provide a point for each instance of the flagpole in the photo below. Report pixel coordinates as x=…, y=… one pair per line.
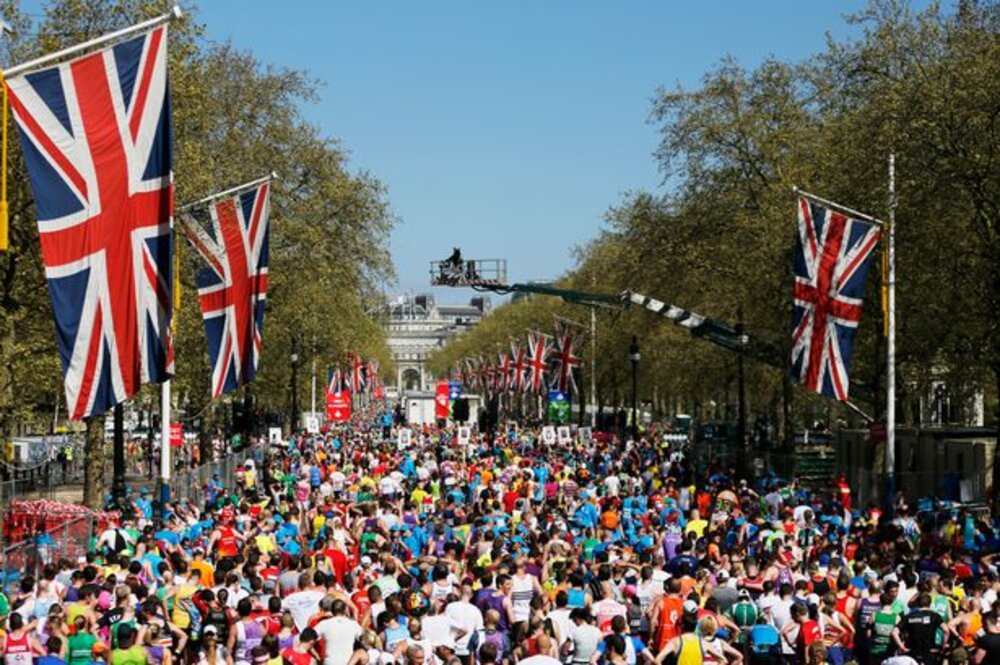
x=164, y=447
x=593, y=364
x=890, y=407
x=232, y=190
x=175, y=13
x=837, y=206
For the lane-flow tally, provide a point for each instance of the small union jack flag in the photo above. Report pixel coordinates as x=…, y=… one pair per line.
x=358, y=378
x=232, y=287
x=336, y=383
x=538, y=363
x=564, y=362
x=96, y=138
x=503, y=382
x=518, y=356
x=832, y=254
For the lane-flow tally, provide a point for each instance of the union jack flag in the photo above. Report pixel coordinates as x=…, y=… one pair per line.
x=96, y=137
x=358, y=378
x=832, y=254
x=538, y=365
x=503, y=374
x=518, y=363
x=336, y=384
x=232, y=288
x=564, y=363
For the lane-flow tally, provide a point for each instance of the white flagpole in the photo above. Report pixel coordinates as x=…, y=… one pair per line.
x=164, y=446
x=890, y=407
x=593, y=366
x=238, y=189
x=312, y=406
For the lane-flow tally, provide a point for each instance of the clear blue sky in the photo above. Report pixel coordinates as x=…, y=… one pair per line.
x=507, y=128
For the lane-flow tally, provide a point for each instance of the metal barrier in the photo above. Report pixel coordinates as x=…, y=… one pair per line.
x=70, y=540
x=190, y=485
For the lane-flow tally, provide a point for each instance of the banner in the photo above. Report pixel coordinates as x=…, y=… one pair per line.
x=176, y=435
x=338, y=406
x=441, y=400
x=559, y=410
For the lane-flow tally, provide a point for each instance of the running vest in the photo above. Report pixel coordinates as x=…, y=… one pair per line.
x=520, y=597
x=17, y=651
x=884, y=623
x=670, y=616
x=226, y=546
x=691, y=651
x=248, y=636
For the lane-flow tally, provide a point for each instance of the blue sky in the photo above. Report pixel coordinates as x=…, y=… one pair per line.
x=507, y=128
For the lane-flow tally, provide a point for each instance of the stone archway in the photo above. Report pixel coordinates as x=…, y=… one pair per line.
x=411, y=379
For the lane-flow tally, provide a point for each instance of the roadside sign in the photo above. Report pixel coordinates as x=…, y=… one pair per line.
x=176, y=435
x=564, y=435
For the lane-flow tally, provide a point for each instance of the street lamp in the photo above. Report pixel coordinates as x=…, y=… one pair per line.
x=633, y=355
x=295, y=387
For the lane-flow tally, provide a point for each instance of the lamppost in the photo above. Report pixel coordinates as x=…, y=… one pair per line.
x=744, y=341
x=118, y=487
x=295, y=386
x=633, y=355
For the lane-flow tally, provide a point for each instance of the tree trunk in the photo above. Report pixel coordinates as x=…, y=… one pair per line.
x=93, y=463
x=996, y=446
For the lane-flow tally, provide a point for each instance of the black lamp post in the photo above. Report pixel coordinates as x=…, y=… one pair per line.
x=118, y=487
x=295, y=387
x=633, y=355
x=744, y=341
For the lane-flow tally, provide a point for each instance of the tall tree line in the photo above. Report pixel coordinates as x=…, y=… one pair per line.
x=922, y=84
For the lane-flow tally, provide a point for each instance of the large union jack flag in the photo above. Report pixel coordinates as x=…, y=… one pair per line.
x=832, y=254
x=232, y=287
x=96, y=137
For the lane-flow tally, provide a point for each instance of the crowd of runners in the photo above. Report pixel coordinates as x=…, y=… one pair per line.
x=345, y=549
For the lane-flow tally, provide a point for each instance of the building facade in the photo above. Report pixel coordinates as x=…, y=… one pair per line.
x=415, y=326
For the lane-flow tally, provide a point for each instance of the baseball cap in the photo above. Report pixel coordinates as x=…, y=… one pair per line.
x=690, y=607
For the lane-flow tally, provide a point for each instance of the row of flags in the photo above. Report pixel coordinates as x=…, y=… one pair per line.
x=361, y=378
x=542, y=364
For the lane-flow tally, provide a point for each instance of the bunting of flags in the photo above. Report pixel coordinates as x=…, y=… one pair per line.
x=540, y=364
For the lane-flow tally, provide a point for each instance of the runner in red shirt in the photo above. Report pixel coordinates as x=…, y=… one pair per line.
x=301, y=653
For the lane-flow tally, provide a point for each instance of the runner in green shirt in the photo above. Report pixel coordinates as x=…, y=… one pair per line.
x=78, y=647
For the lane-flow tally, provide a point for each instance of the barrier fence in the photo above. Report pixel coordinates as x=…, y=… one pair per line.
x=190, y=485
x=70, y=540
x=75, y=538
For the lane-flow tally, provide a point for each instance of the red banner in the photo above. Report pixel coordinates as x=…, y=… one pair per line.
x=176, y=435
x=441, y=400
x=338, y=406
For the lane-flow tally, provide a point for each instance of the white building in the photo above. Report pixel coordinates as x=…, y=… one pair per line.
x=415, y=326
